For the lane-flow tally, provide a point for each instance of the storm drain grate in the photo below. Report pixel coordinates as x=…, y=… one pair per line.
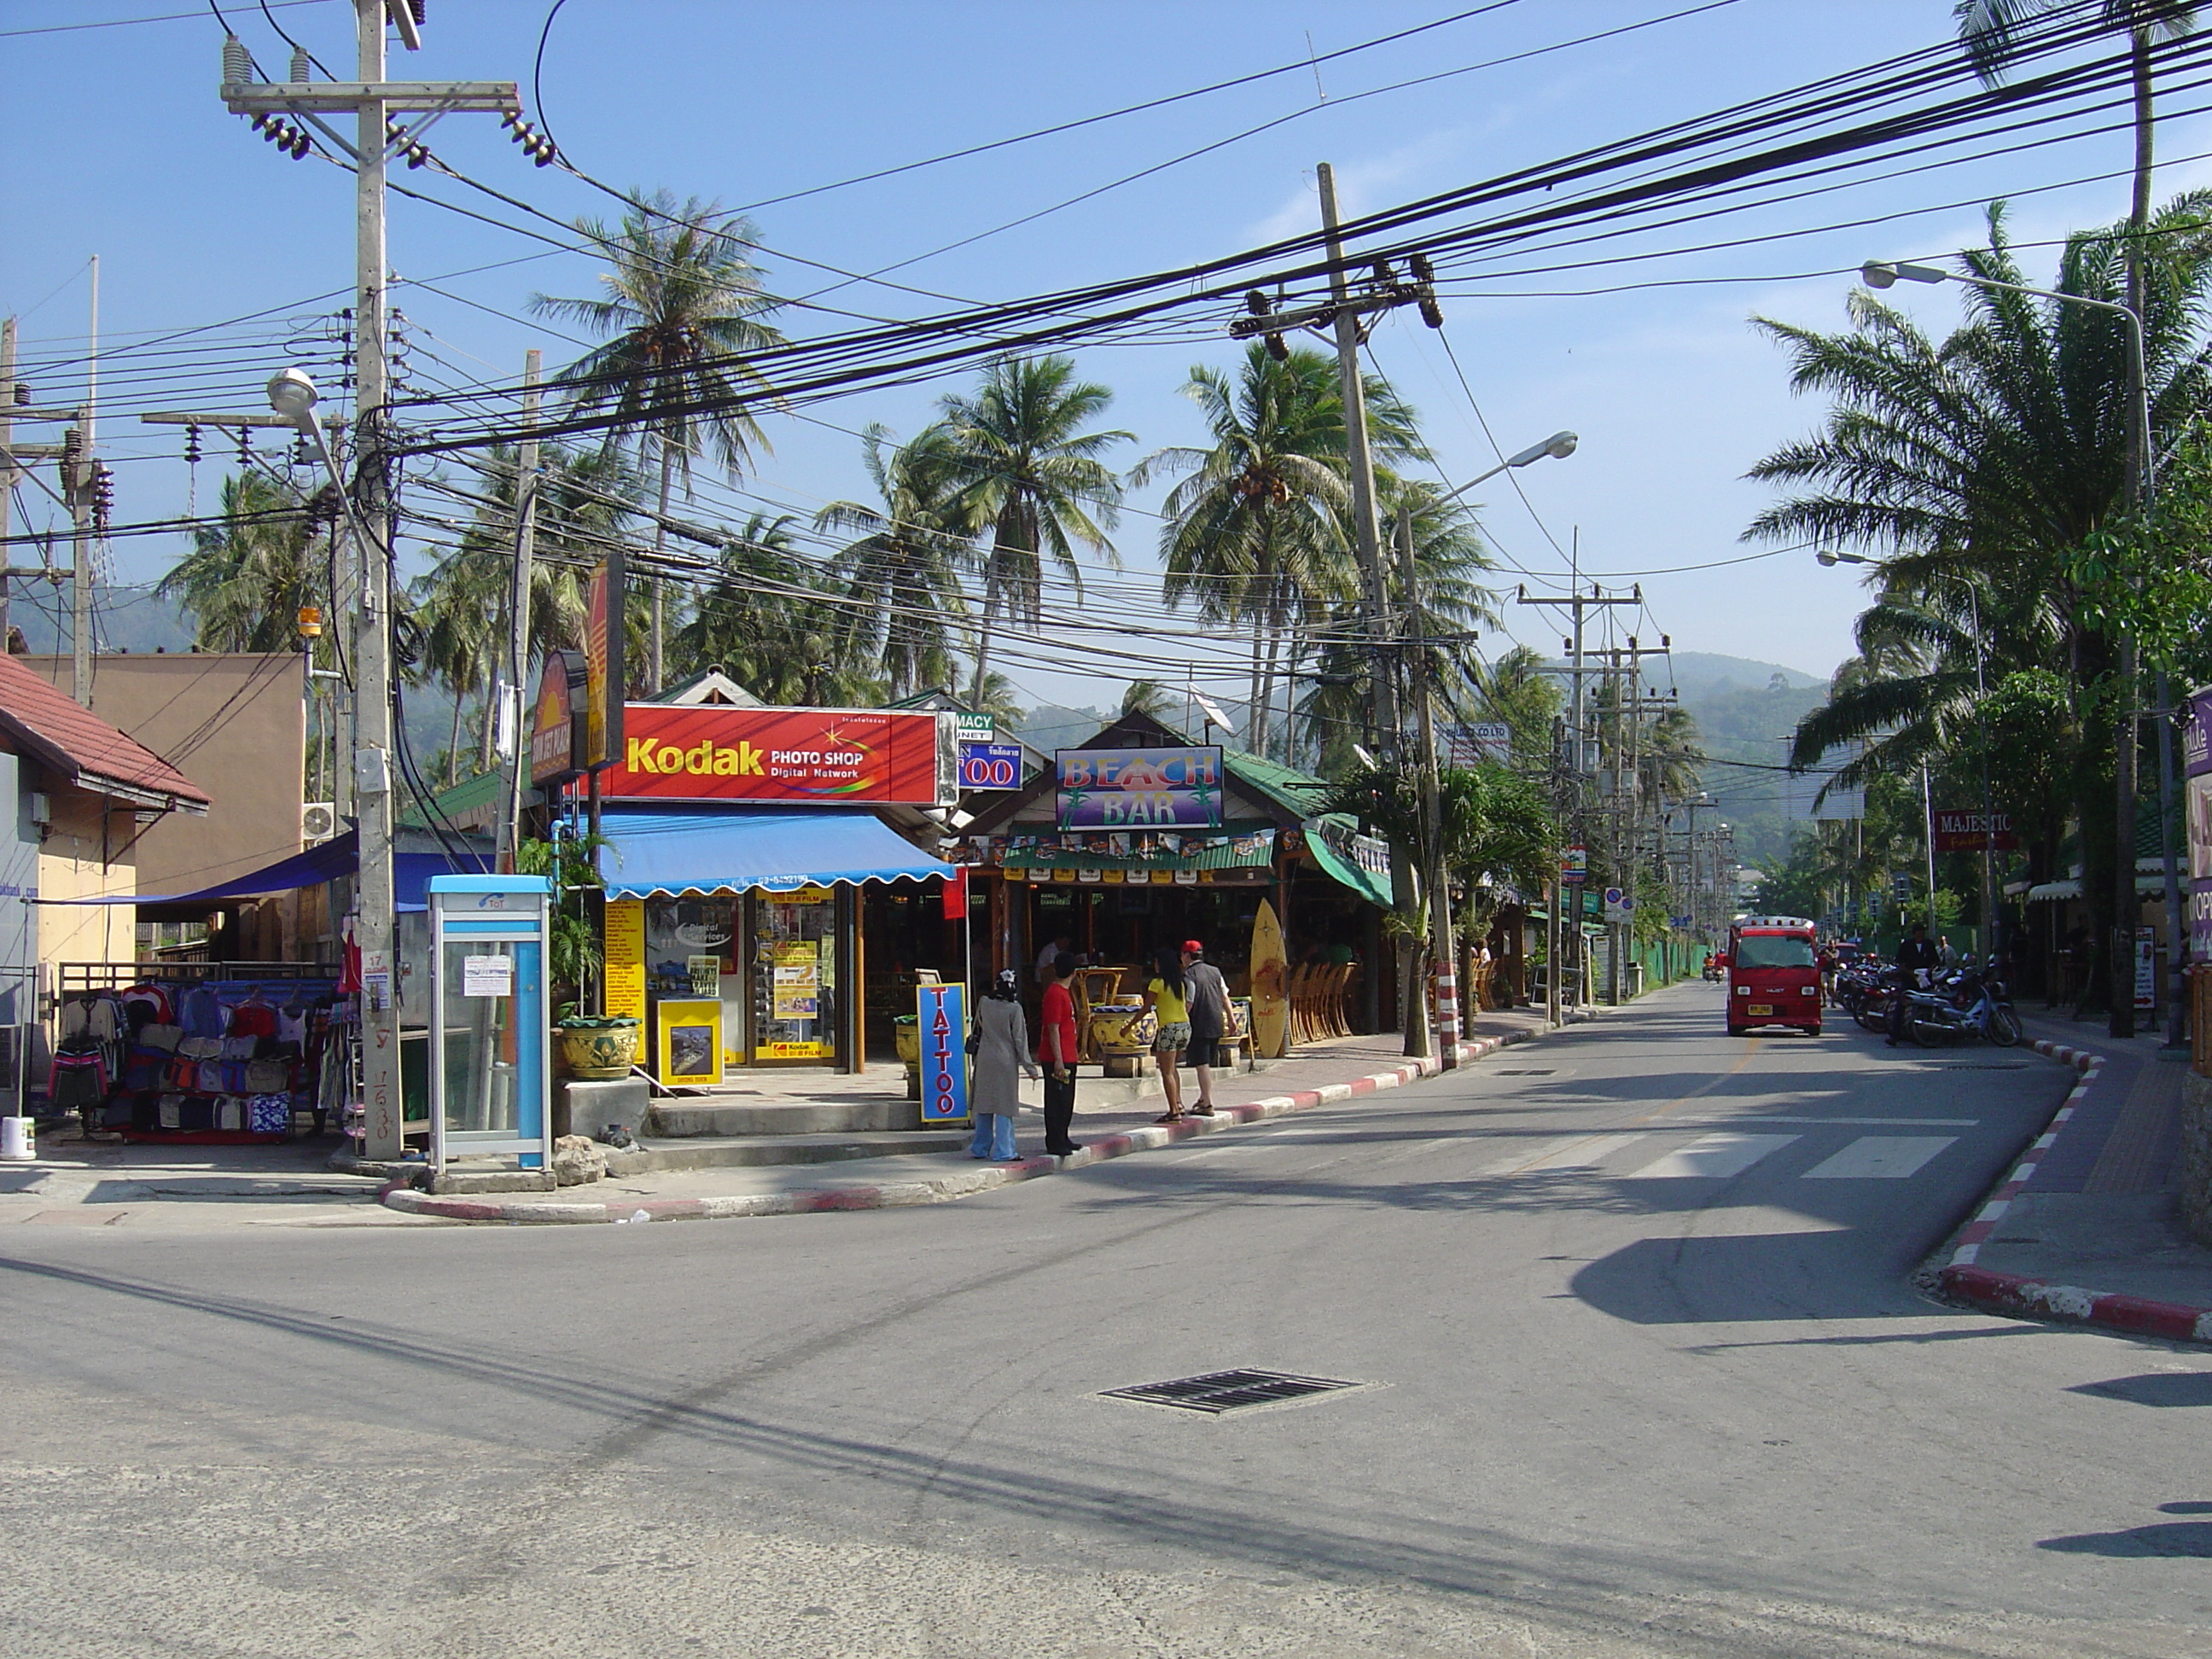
x=1525, y=1070
x=1226, y=1391
x=1980, y=1065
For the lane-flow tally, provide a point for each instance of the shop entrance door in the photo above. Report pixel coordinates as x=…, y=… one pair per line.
x=793, y=1017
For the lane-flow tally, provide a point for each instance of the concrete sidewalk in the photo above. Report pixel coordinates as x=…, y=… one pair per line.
x=1326, y=1073
x=2087, y=1227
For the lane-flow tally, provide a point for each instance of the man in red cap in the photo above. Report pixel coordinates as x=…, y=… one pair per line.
x=1206, y=993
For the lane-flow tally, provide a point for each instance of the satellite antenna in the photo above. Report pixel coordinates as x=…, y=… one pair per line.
x=1212, y=710
x=1361, y=754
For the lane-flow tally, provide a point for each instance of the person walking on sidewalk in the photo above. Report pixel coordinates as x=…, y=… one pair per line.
x=1002, y=1048
x=1163, y=995
x=1056, y=1052
x=1206, y=994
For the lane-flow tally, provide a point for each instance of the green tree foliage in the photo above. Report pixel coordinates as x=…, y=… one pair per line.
x=901, y=575
x=266, y=554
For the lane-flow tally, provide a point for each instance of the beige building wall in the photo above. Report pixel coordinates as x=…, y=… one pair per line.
x=236, y=727
x=86, y=852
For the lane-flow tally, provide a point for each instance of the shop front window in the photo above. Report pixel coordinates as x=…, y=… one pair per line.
x=794, y=977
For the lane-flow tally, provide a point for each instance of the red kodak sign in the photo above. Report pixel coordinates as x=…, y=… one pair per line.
x=831, y=755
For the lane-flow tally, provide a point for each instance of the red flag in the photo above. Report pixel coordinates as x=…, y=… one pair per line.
x=956, y=894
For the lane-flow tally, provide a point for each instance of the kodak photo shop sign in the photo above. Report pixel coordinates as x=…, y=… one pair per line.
x=819, y=755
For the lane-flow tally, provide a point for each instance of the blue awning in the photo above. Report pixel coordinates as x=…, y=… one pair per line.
x=340, y=856
x=671, y=852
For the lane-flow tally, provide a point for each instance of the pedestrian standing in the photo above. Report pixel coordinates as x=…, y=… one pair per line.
x=1916, y=960
x=1163, y=995
x=1056, y=1052
x=1002, y=1047
x=1206, y=995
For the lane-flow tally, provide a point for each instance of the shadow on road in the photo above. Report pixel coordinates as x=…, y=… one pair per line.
x=2170, y=1539
x=2155, y=1389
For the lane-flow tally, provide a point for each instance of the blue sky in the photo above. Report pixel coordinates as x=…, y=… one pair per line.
x=196, y=220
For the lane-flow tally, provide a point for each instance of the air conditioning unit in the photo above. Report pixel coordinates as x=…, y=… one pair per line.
x=319, y=822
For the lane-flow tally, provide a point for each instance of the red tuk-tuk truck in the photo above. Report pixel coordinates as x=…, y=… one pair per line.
x=1773, y=975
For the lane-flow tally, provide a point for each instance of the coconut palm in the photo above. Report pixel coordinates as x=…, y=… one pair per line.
x=902, y=574
x=1024, y=463
x=1256, y=535
x=772, y=621
x=681, y=316
x=1987, y=461
x=250, y=570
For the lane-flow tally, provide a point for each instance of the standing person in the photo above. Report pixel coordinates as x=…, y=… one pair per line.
x=1056, y=1052
x=1206, y=995
x=1163, y=995
x=994, y=1093
x=1913, y=957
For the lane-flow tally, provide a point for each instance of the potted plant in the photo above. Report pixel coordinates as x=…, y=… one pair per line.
x=596, y=1047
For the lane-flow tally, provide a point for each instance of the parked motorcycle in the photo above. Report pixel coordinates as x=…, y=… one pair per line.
x=1962, y=1006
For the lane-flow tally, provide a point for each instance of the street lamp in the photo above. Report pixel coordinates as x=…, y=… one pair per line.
x=2142, y=484
x=1558, y=447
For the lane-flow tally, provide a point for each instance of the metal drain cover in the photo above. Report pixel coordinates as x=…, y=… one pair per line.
x=1979, y=1065
x=1525, y=1071
x=1228, y=1391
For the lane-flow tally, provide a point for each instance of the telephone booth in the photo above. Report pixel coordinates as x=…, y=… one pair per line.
x=490, y=1050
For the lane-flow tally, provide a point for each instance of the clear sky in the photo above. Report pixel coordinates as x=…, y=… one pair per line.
x=120, y=147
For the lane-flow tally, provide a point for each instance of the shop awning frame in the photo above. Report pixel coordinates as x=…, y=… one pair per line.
x=671, y=854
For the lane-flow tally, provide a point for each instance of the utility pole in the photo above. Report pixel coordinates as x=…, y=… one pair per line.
x=372, y=101
x=526, y=541
x=11, y=474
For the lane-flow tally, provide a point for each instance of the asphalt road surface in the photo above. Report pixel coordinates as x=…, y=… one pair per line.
x=1641, y=1371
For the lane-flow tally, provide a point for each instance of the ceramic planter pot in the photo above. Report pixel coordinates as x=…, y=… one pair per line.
x=600, y=1050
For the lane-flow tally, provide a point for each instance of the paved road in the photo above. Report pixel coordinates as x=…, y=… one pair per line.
x=1645, y=1376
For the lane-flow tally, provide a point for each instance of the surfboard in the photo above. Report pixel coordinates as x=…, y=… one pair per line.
x=1270, y=979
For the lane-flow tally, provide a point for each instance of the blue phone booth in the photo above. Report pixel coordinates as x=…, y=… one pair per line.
x=491, y=1048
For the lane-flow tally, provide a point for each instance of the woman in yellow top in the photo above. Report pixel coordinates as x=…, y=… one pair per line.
x=1164, y=996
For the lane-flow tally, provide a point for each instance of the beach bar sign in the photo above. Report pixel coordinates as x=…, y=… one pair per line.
x=1139, y=788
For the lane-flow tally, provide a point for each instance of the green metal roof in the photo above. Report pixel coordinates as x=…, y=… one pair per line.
x=1299, y=793
x=477, y=797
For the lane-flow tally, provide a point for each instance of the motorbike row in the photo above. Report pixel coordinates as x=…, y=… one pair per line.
x=1952, y=1004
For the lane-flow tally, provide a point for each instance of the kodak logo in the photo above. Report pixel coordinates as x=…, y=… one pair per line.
x=654, y=758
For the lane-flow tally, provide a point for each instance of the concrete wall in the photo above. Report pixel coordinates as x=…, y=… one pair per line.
x=86, y=852
x=236, y=727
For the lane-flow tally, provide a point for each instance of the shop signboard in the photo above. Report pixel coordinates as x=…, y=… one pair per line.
x=942, y=1024
x=605, y=684
x=2197, y=764
x=2146, y=954
x=1467, y=747
x=990, y=766
x=822, y=756
x=622, y=957
x=974, y=728
x=1969, y=832
x=1574, y=868
x=1139, y=788
x=555, y=742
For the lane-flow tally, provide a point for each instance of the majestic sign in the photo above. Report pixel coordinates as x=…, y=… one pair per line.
x=1139, y=788
x=605, y=684
x=990, y=765
x=1969, y=832
x=555, y=740
x=714, y=752
x=944, y=1029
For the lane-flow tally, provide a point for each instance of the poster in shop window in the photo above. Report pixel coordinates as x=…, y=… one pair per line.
x=798, y=984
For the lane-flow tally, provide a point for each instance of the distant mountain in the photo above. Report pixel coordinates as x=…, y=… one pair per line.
x=123, y=618
x=1699, y=672
x=1049, y=727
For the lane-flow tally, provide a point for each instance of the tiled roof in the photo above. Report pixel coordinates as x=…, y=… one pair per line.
x=62, y=734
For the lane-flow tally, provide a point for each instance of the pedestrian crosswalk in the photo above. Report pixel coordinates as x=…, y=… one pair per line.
x=1721, y=1155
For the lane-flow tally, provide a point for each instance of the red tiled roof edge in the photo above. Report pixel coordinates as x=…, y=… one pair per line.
x=63, y=733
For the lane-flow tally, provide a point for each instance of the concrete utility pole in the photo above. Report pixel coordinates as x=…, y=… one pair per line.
x=517, y=611
x=372, y=101
x=11, y=474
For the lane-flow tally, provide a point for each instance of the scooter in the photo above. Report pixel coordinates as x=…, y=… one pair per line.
x=1969, y=1006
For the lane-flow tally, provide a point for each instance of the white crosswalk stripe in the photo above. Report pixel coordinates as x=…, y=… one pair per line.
x=1712, y=1158
x=1880, y=1158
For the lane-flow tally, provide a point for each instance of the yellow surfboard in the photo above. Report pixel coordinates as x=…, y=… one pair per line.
x=1270, y=975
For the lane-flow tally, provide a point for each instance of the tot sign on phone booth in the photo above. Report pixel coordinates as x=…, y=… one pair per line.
x=944, y=1026
x=491, y=1056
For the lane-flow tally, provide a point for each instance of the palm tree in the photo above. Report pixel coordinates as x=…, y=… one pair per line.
x=1024, y=463
x=249, y=573
x=1517, y=693
x=771, y=622
x=682, y=315
x=1255, y=535
x=1987, y=462
x=902, y=574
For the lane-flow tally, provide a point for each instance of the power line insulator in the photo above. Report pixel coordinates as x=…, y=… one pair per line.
x=1277, y=349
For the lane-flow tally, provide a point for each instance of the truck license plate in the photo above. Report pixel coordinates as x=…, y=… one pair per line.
x=1766, y=1008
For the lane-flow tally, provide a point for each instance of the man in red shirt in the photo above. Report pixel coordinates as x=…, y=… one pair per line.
x=1056, y=1052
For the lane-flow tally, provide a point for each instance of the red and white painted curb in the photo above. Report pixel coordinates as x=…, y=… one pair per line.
x=939, y=1189
x=2020, y=1296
